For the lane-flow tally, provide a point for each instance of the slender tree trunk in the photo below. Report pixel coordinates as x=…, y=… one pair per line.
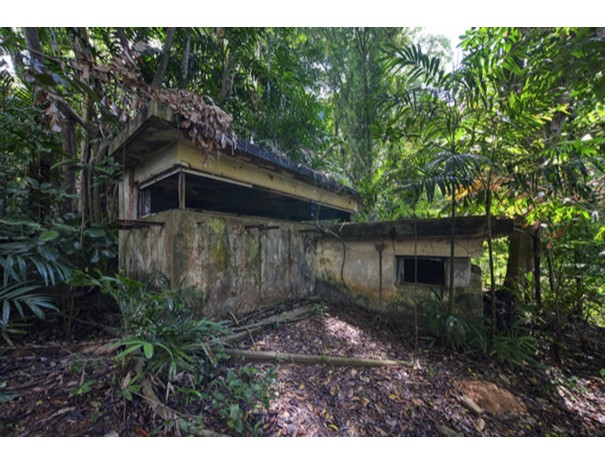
x=490, y=248
x=32, y=39
x=123, y=38
x=416, y=327
x=70, y=147
x=124, y=43
x=452, y=290
x=81, y=48
x=227, y=81
x=163, y=65
x=185, y=63
x=537, y=263
x=96, y=198
x=40, y=171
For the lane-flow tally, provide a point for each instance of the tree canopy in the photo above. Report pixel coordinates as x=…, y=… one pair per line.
x=516, y=129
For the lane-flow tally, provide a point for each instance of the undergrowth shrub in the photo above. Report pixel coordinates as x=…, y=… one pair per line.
x=181, y=354
x=240, y=397
x=454, y=329
x=160, y=326
x=512, y=345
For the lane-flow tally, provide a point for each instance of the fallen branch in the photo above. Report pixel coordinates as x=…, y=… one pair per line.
x=280, y=357
x=273, y=310
x=286, y=317
x=242, y=332
x=57, y=347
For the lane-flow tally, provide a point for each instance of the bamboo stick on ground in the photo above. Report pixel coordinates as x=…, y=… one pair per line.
x=301, y=359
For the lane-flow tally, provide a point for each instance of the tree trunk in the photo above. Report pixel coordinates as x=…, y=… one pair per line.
x=81, y=48
x=163, y=65
x=537, y=272
x=124, y=43
x=39, y=170
x=185, y=63
x=70, y=148
x=490, y=249
x=227, y=81
x=520, y=258
x=452, y=290
x=32, y=40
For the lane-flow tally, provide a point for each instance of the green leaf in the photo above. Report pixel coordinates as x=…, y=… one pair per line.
x=6, y=310
x=134, y=345
x=148, y=350
x=48, y=235
x=95, y=233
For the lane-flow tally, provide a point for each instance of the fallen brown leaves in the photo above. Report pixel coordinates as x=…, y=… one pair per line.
x=75, y=391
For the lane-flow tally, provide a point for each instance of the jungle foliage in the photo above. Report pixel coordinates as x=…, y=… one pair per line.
x=516, y=129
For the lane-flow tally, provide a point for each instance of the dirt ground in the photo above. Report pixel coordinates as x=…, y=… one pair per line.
x=54, y=389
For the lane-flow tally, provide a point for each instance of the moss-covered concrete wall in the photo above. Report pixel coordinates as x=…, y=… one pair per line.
x=241, y=263
x=368, y=275
x=237, y=263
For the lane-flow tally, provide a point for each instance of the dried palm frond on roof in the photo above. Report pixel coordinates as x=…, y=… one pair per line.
x=120, y=91
x=206, y=122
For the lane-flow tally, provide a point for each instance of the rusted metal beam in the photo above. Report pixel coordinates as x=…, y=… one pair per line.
x=260, y=227
x=138, y=224
x=182, y=191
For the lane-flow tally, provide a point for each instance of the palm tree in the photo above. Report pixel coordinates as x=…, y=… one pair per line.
x=440, y=100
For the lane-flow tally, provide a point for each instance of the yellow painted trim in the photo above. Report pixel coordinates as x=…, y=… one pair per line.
x=230, y=168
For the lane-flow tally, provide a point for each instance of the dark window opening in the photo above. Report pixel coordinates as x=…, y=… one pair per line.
x=421, y=270
x=209, y=194
x=158, y=197
x=432, y=270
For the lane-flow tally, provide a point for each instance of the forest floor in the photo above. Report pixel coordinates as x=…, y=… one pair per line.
x=56, y=389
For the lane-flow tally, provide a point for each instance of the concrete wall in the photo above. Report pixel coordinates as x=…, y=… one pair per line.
x=241, y=263
x=236, y=264
x=369, y=273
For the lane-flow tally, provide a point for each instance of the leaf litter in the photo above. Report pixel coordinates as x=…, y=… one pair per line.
x=54, y=390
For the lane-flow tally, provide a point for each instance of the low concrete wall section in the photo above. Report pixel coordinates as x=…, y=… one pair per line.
x=237, y=263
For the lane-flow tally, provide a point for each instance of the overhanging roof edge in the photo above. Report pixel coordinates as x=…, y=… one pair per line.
x=157, y=111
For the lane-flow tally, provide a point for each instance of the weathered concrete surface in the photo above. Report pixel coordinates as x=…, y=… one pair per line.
x=237, y=263
x=129, y=196
x=463, y=226
x=240, y=263
x=368, y=276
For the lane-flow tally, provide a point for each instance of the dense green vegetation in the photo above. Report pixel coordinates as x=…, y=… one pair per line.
x=516, y=130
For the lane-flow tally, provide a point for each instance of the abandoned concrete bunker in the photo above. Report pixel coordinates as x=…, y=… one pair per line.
x=249, y=228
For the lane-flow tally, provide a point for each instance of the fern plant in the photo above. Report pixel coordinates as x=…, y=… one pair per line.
x=29, y=262
x=514, y=347
x=455, y=328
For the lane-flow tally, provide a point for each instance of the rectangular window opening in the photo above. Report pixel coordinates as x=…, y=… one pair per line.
x=421, y=270
x=432, y=271
x=212, y=194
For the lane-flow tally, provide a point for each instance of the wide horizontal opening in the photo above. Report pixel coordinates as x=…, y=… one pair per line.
x=206, y=193
x=432, y=271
